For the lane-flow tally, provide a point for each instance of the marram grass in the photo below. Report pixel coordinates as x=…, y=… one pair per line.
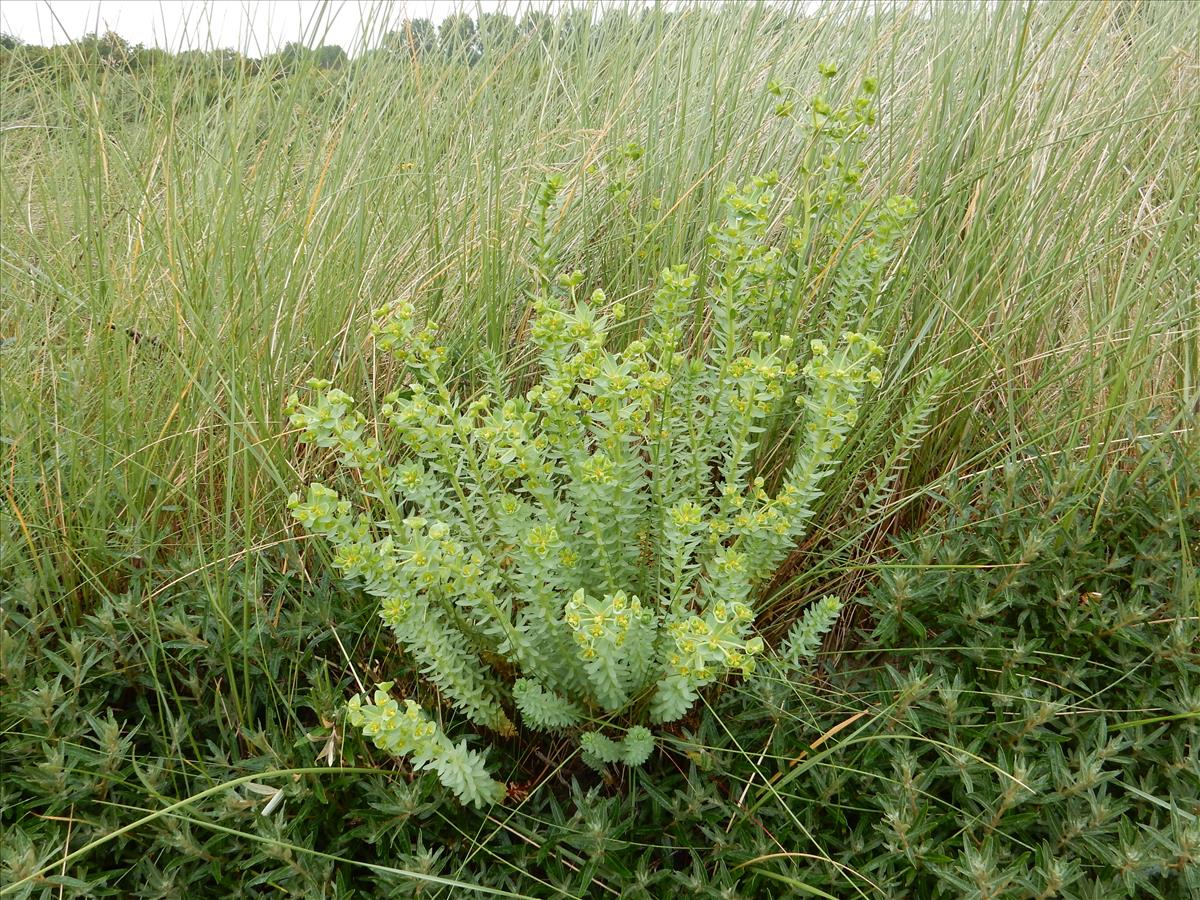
x=174, y=269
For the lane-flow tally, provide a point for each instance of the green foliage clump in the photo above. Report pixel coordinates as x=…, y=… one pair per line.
x=602, y=535
x=153, y=697
x=1035, y=693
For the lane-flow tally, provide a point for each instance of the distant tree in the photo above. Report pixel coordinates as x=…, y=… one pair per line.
x=14, y=55
x=575, y=26
x=415, y=38
x=615, y=23
x=330, y=56
x=17, y=56
x=190, y=61
x=422, y=36
x=393, y=44
x=638, y=26
x=538, y=25
x=223, y=62
x=497, y=32
x=459, y=38
x=230, y=62
x=151, y=58
x=108, y=49
x=292, y=57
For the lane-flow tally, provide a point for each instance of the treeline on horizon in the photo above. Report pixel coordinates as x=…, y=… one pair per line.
x=460, y=38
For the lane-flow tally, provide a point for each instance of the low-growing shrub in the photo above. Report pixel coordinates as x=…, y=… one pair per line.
x=1033, y=671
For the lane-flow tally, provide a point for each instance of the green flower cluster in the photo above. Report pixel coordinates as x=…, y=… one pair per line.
x=602, y=535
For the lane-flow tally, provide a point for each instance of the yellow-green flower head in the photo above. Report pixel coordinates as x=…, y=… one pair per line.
x=598, y=469
x=686, y=514
x=732, y=561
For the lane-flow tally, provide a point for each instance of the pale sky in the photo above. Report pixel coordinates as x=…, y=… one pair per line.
x=253, y=26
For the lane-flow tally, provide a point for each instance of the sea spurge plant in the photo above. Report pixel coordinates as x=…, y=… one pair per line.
x=586, y=554
x=632, y=750
x=804, y=639
x=410, y=733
